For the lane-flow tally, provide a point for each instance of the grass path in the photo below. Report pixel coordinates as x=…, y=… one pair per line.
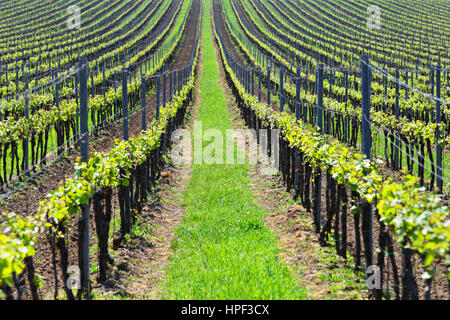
x=223, y=250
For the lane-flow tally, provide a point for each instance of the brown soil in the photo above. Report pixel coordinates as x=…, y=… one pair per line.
x=318, y=268
x=139, y=266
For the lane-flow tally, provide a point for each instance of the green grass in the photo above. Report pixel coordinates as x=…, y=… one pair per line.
x=223, y=249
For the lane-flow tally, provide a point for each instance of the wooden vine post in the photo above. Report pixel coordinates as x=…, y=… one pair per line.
x=397, y=117
x=319, y=112
x=366, y=149
x=125, y=190
x=115, y=100
x=144, y=116
x=281, y=90
x=439, y=179
x=84, y=148
x=318, y=171
x=27, y=117
x=346, y=122
x=297, y=117
x=144, y=120
x=124, y=104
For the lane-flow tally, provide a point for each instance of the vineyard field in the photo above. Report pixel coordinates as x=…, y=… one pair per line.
x=217, y=150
